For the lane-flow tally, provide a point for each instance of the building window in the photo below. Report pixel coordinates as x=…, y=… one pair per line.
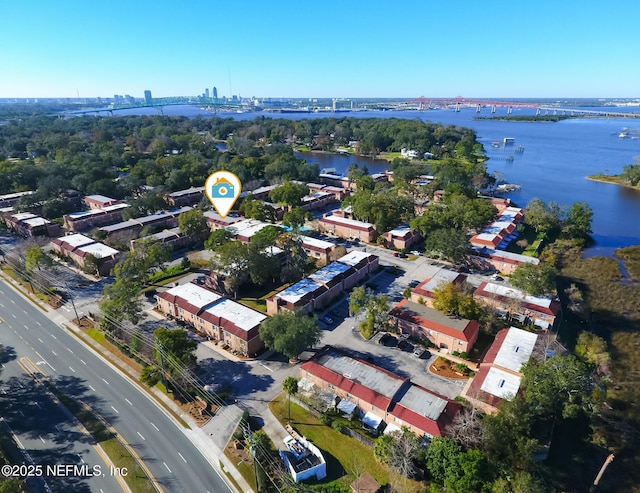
x=459, y=343
x=331, y=387
x=501, y=384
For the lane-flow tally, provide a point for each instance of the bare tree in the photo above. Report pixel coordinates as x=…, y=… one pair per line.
x=466, y=428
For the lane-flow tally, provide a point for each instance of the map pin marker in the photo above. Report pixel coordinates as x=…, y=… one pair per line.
x=223, y=189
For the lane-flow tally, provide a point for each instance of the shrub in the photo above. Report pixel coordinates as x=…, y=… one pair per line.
x=325, y=419
x=336, y=426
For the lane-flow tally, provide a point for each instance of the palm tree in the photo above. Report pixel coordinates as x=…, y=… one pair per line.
x=290, y=386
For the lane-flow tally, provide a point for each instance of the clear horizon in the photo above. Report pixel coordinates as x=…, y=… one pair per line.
x=284, y=49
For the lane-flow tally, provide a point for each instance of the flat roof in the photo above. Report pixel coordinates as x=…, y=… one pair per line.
x=36, y=221
x=401, y=232
x=347, y=222
x=516, y=349
x=316, y=243
x=490, y=237
x=21, y=216
x=329, y=272
x=98, y=250
x=424, y=403
x=15, y=195
x=246, y=227
x=129, y=223
x=355, y=257
x=501, y=383
x=498, y=226
x=298, y=290
x=188, y=191
x=167, y=233
x=241, y=316
x=442, y=276
x=76, y=240
x=508, y=255
x=511, y=292
x=214, y=216
x=100, y=198
x=194, y=295
x=369, y=376
x=93, y=212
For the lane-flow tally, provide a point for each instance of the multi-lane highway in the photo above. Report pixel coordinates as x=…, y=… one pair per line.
x=175, y=462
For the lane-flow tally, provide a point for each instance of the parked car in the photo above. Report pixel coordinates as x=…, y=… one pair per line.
x=419, y=351
x=327, y=319
x=496, y=277
x=415, y=252
x=383, y=340
x=413, y=283
x=404, y=345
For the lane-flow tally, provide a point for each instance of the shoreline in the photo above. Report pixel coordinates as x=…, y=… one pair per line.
x=612, y=180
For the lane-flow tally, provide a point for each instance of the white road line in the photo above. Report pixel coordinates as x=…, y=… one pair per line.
x=41, y=439
x=128, y=401
x=106, y=381
x=14, y=315
x=83, y=362
x=54, y=353
x=13, y=302
x=185, y=460
x=70, y=350
x=265, y=366
x=36, y=403
x=18, y=442
x=39, y=323
x=54, y=336
x=1, y=305
x=46, y=362
x=140, y=435
x=21, y=413
x=157, y=429
x=26, y=327
x=1, y=291
x=25, y=312
x=165, y=465
x=72, y=369
x=115, y=410
x=92, y=388
x=82, y=460
x=41, y=340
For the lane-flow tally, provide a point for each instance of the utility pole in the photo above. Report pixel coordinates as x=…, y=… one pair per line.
x=607, y=461
x=160, y=350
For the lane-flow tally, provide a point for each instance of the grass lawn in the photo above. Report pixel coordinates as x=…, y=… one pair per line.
x=344, y=455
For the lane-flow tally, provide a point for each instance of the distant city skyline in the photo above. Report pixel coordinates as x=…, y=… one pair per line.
x=329, y=49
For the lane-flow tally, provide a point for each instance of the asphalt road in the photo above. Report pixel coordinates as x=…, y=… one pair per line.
x=172, y=458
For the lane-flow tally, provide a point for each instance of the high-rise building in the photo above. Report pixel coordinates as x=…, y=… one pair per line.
x=147, y=96
x=206, y=93
x=215, y=92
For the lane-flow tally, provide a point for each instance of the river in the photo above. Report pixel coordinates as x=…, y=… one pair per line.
x=556, y=159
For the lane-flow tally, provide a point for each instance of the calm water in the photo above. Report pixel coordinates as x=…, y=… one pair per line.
x=556, y=159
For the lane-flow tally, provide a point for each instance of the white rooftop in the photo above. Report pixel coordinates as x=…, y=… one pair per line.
x=424, y=403
x=36, y=221
x=443, y=276
x=497, y=227
x=316, y=243
x=14, y=195
x=241, y=316
x=21, y=216
x=329, y=272
x=93, y=212
x=216, y=217
x=501, y=383
x=354, y=258
x=246, y=227
x=509, y=255
x=195, y=295
x=100, y=198
x=348, y=222
x=401, y=232
x=516, y=349
x=487, y=236
x=511, y=292
x=76, y=240
x=188, y=191
x=98, y=250
x=299, y=290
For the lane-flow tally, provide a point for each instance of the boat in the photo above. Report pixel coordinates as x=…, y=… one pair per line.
x=623, y=135
x=495, y=143
x=509, y=140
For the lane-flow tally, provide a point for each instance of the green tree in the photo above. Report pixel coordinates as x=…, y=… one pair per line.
x=631, y=174
x=35, y=258
x=535, y=280
x=290, y=333
x=150, y=375
x=542, y=217
x=257, y=209
x=450, y=299
x=295, y=218
x=592, y=349
x=451, y=244
x=289, y=193
x=295, y=257
x=218, y=238
x=290, y=386
x=192, y=222
x=120, y=301
x=578, y=221
x=267, y=236
x=442, y=456
x=174, y=346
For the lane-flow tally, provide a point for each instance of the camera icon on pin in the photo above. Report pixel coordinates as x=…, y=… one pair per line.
x=222, y=189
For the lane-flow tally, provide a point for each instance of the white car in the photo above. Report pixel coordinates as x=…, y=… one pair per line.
x=415, y=252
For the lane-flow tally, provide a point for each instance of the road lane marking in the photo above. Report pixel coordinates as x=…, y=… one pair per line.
x=265, y=366
x=115, y=410
x=25, y=312
x=128, y=401
x=70, y=350
x=157, y=429
x=26, y=327
x=54, y=353
x=72, y=369
x=92, y=388
x=1, y=305
x=39, y=323
x=21, y=413
x=41, y=340
x=165, y=465
x=185, y=460
x=82, y=460
x=36, y=403
x=140, y=435
x=13, y=302
x=41, y=439
x=14, y=315
x=54, y=336
x=106, y=381
x=45, y=361
x=83, y=362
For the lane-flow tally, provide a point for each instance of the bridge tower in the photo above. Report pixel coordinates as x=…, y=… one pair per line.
x=537, y=111
x=509, y=110
x=457, y=107
x=478, y=108
x=493, y=108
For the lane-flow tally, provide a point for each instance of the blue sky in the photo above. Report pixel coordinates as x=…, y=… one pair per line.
x=303, y=48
